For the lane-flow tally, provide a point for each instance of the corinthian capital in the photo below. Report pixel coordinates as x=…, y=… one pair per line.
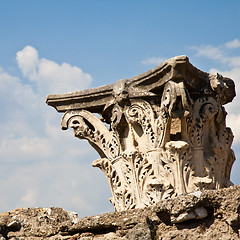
x=160, y=134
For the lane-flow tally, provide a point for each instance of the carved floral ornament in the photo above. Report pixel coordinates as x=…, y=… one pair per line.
x=160, y=134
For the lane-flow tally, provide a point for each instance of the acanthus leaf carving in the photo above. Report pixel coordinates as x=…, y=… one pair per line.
x=87, y=126
x=141, y=119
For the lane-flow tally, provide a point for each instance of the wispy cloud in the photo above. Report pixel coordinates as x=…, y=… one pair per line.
x=29, y=198
x=219, y=53
x=233, y=44
x=153, y=61
x=212, y=52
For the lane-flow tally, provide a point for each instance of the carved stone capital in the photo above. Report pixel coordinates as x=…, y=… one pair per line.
x=160, y=134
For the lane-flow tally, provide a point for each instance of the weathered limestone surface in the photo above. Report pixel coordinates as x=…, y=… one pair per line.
x=166, y=132
x=156, y=222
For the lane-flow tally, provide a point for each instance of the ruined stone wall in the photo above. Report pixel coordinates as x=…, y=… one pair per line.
x=175, y=218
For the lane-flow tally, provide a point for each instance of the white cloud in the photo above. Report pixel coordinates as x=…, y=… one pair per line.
x=24, y=148
x=219, y=53
x=209, y=51
x=28, y=61
x=153, y=61
x=41, y=165
x=233, y=44
x=234, y=61
x=13, y=91
x=49, y=76
x=22, y=117
x=29, y=198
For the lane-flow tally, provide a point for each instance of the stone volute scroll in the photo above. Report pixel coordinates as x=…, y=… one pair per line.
x=160, y=134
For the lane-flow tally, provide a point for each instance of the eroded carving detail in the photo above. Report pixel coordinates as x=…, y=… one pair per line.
x=166, y=135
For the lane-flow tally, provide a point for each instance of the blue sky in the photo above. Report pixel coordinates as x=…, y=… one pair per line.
x=58, y=46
